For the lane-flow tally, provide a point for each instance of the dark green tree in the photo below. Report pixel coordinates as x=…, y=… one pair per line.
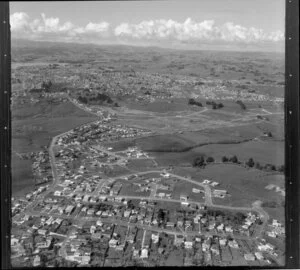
x=250, y=163
x=224, y=159
x=234, y=159
x=210, y=159
x=199, y=161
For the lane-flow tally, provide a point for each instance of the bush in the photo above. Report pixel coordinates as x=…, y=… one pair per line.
x=83, y=99
x=210, y=159
x=46, y=85
x=242, y=105
x=281, y=168
x=258, y=166
x=224, y=159
x=194, y=102
x=250, y=163
x=199, y=161
x=234, y=159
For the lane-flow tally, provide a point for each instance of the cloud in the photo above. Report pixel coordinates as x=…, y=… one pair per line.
x=151, y=32
x=49, y=28
x=19, y=21
x=189, y=30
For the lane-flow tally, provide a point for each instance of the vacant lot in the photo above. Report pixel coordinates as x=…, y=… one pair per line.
x=164, y=143
x=22, y=177
x=185, y=189
x=244, y=185
x=140, y=164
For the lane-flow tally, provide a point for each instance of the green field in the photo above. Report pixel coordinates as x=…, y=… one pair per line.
x=22, y=177
x=263, y=151
x=244, y=185
x=33, y=127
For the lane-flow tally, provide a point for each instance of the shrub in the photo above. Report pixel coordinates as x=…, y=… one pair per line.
x=234, y=159
x=199, y=161
x=210, y=159
x=242, y=105
x=224, y=159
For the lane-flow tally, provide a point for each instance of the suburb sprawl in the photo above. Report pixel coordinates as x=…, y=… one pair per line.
x=129, y=156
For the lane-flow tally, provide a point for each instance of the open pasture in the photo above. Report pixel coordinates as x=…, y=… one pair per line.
x=185, y=189
x=170, y=106
x=244, y=185
x=22, y=177
x=262, y=151
x=140, y=164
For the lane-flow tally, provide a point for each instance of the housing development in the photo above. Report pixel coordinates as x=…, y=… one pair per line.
x=117, y=165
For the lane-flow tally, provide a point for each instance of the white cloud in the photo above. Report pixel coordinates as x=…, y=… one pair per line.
x=19, y=21
x=45, y=28
x=190, y=30
x=146, y=32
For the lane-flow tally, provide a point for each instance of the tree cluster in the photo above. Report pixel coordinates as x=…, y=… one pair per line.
x=46, y=85
x=194, y=102
x=201, y=162
x=232, y=159
x=96, y=98
x=215, y=105
x=252, y=164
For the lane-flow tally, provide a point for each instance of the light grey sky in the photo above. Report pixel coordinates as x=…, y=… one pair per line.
x=236, y=24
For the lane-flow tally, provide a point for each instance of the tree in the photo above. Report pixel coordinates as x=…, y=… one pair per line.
x=250, y=163
x=258, y=166
x=46, y=85
x=83, y=99
x=220, y=105
x=210, y=159
x=199, y=161
x=214, y=106
x=191, y=101
x=224, y=159
x=234, y=159
x=194, y=102
x=280, y=168
x=161, y=214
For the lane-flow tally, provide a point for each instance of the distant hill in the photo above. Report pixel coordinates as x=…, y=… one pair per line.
x=223, y=65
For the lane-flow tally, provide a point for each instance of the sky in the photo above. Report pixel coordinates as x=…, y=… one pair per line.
x=246, y=25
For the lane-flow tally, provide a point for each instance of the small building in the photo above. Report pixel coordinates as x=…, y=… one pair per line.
x=183, y=198
x=69, y=209
x=259, y=256
x=233, y=244
x=249, y=257
x=57, y=193
x=144, y=253
x=223, y=242
x=155, y=238
x=113, y=243
x=219, y=192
